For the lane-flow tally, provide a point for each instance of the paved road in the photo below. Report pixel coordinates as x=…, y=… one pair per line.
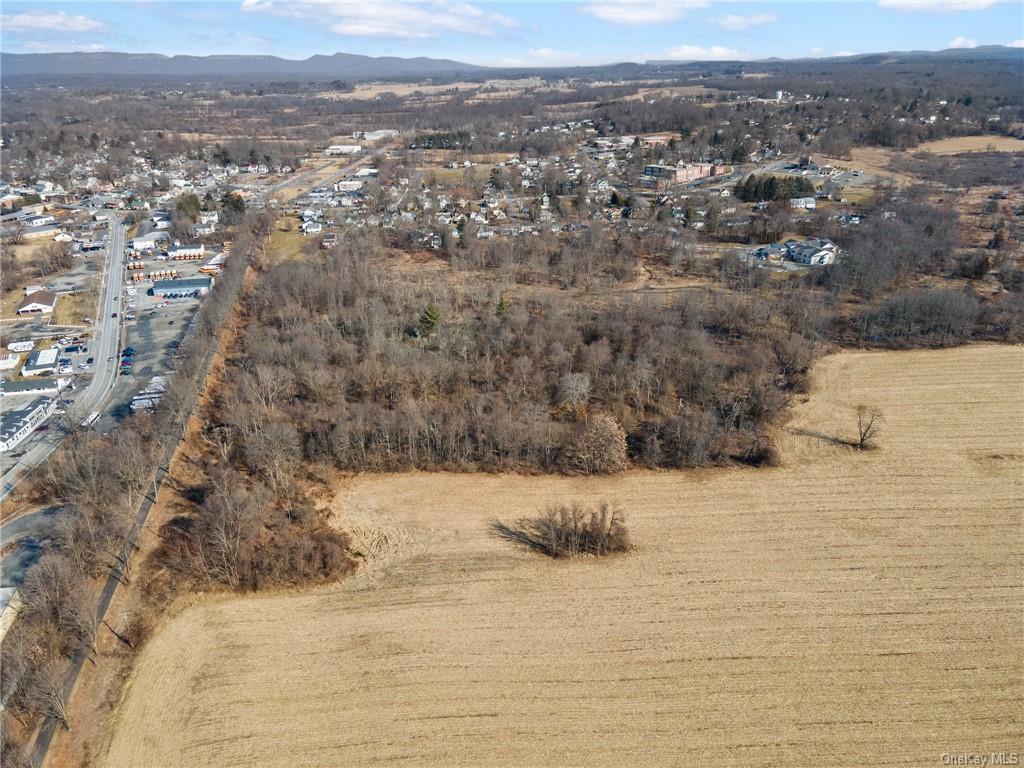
x=106, y=343
x=29, y=531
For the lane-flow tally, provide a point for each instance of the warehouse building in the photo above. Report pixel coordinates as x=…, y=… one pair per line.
x=199, y=286
x=39, y=386
x=41, y=362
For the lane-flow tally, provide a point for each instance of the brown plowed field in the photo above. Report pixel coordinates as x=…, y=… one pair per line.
x=845, y=609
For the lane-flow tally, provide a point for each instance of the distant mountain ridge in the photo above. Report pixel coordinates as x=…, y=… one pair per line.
x=338, y=66
x=355, y=67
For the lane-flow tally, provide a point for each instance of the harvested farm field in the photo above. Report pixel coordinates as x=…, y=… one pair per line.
x=844, y=608
x=959, y=144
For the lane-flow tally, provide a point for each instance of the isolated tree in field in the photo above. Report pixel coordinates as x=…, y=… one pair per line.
x=869, y=419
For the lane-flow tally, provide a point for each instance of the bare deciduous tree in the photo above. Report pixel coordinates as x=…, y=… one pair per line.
x=869, y=419
x=46, y=692
x=600, y=447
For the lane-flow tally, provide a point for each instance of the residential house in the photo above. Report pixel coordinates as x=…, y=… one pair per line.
x=814, y=252
x=40, y=302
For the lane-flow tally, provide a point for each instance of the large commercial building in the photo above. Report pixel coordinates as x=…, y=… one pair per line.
x=38, y=386
x=16, y=425
x=41, y=362
x=198, y=285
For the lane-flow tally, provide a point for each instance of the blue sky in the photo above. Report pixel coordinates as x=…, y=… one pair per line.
x=512, y=34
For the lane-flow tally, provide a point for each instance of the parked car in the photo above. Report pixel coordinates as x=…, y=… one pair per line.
x=90, y=361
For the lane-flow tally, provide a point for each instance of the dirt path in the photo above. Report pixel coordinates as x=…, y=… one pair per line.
x=844, y=609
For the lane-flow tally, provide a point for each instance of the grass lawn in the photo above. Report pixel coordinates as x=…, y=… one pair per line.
x=286, y=246
x=72, y=307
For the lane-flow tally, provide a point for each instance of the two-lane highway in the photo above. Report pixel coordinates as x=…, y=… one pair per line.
x=105, y=347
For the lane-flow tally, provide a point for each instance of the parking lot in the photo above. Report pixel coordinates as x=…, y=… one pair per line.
x=153, y=327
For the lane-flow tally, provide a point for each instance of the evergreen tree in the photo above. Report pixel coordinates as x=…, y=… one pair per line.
x=429, y=320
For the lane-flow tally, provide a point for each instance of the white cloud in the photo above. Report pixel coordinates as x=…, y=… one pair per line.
x=639, y=13
x=49, y=21
x=945, y=6
x=963, y=42
x=58, y=46
x=697, y=53
x=821, y=53
x=404, y=20
x=548, y=57
x=1017, y=43
x=737, y=23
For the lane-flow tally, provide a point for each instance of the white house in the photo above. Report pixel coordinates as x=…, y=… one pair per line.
x=40, y=302
x=805, y=203
x=814, y=252
x=311, y=227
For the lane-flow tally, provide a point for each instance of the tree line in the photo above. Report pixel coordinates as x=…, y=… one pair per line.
x=98, y=483
x=759, y=187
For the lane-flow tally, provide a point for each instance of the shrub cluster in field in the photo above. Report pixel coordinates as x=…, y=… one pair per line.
x=570, y=531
